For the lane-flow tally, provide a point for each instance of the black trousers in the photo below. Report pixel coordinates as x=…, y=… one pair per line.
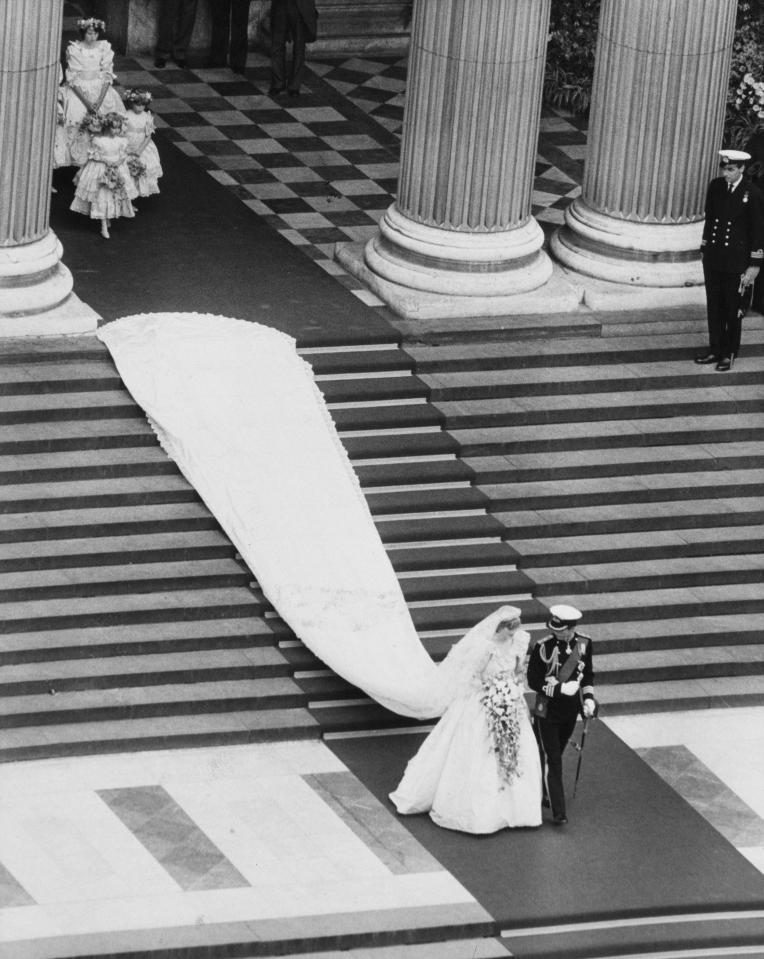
x=229, y=41
x=723, y=309
x=174, y=27
x=552, y=738
x=286, y=21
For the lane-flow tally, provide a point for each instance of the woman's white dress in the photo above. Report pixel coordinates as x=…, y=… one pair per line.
x=88, y=67
x=138, y=127
x=455, y=775
x=93, y=195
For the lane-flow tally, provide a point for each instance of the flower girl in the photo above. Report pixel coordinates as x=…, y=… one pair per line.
x=142, y=155
x=104, y=187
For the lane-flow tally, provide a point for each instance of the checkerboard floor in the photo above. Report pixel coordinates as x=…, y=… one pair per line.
x=321, y=168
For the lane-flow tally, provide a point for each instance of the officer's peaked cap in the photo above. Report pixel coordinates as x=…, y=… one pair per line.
x=561, y=616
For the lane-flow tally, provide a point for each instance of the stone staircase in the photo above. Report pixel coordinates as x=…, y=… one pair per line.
x=601, y=468
x=129, y=622
x=629, y=482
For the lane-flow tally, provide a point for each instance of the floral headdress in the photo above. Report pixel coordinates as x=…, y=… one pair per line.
x=93, y=22
x=134, y=95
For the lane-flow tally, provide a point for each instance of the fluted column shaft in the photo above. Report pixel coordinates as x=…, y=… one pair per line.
x=656, y=123
x=30, y=35
x=462, y=221
x=35, y=286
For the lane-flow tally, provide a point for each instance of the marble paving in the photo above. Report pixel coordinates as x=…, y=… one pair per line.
x=714, y=759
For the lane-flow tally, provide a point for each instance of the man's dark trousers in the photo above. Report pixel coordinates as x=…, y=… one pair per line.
x=723, y=302
x=552, y=737
x=286, y=21
x=175, y=24
x=229, y=40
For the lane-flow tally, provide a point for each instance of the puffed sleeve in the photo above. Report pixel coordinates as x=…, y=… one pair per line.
x=73, y=61
x=150, y=127
x=107, y=60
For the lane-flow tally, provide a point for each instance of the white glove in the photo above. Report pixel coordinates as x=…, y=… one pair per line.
x=549, y=686
x=589, y=708
x=570, y=688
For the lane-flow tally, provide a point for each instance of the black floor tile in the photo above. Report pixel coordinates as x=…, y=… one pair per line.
x=324, y=234
x=349, y=218
x=339, y=172
x=268, y=116
x=313, y=188
x=189, y=119
x=372, y=201
x=302, y=144
x=208, y=104
x=232, y=88
x=272, y=161
x=360, y=157
x=219, y=148
x=252, y=176
x=288, y=205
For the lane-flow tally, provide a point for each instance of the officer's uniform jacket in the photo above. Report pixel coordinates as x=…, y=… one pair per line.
x=547, y=658
x=733, y=234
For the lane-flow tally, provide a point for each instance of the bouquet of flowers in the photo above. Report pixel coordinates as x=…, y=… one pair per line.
x=136, y=166
x=112, y=179
x=502, y=701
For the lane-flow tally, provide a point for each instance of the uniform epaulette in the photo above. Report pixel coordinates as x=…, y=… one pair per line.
x=582, y=635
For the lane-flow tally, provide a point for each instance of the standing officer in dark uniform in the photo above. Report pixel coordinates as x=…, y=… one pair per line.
x=560, y=672
x=732, y=251
x=296, y=20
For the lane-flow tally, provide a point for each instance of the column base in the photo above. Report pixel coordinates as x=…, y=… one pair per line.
x=621, y=251
x=36, y=296
x=68, y=318
x=557, y=295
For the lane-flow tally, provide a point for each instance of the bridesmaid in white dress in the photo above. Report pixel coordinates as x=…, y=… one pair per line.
x=88, y=90
x=143, y=156
x=466, y=776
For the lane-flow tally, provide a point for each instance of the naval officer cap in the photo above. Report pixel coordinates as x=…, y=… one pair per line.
x=561, y=617
x=734, y=156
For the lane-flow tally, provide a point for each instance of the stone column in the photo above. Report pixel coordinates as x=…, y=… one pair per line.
x=461, y=228
x=656, y=123
x=35, y=286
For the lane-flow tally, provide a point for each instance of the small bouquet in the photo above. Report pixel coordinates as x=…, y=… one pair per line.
x=112, y=179
x=136, y=166
x=502, y=701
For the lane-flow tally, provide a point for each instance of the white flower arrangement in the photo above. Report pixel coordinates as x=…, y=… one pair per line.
x=750, y=95
x=502, y=701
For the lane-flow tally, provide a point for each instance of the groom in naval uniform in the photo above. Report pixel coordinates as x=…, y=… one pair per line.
x=561, y=674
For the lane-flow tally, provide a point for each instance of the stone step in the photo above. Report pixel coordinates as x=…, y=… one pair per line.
x=721, y=691
x=631, y=518
x=64, y=676
x=452, y=556
x=645, y=488
x=99, y=705
x=717, y=541
x=357, y=362
x=695, y=572
x=138, y=639
x=615, y=461
x=158, y=732
x=686, y=663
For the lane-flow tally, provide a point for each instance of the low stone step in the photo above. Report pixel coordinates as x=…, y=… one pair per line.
x=138, y=639
x=646, y=488
x=372, y=446
x=463, y=615
x=397, y=416
x=129, y=609
x=173, y=547
x=92, y=434
x=64, y=676
x=619, y=407
x=100, y=472
x=404, y=472
x=694, y=572
x=562, y=438
x=445, y=585
x=100, y=380
x=418, y=529
x=615, y=461
x=720, y=691
x=108, y=405
x=373, y=389
x=631, y=518
x=453, y=556
x=93, y=494
x=159, y=732
x=134, y=520
x=99, y=705
x=661, y=633
x=357, y=361
x=717, y=541
x=684, y=663
x=50, y=584
x=669, y=603
x=366, y=715
x=426, y=500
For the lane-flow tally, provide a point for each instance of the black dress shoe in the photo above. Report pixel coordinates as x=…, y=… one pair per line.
x=182, y=64
x=275, y=91
x=705, y=358
x=238, y=68
x=560, y=820
x=294, y=93
x=724, y=364
x=160, y=62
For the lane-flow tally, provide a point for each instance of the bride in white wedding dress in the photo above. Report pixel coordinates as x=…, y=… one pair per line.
x=478, y=771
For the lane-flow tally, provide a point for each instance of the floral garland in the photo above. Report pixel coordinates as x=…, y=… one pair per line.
x=502, y=701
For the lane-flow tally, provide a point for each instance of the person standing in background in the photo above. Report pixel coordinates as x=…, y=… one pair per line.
x=732, y=250
x=297, y=19
x=229, y=41
x=174, y=28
